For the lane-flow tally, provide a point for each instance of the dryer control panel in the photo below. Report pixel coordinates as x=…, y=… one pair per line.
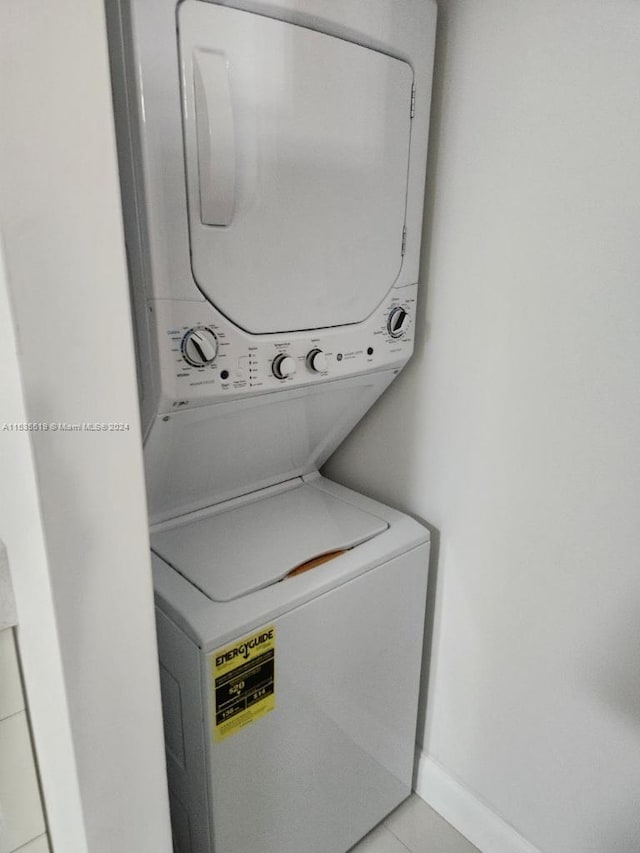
x=206, y=359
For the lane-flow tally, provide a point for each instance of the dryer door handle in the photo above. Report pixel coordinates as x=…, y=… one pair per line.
x=216, y=137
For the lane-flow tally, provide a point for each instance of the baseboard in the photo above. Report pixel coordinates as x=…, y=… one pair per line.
x=464, y=811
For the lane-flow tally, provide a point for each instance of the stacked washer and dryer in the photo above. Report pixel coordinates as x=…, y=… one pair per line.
x=273, y=159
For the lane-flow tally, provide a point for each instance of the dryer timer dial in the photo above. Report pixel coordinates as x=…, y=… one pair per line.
x=200, y=347
x=398, y=321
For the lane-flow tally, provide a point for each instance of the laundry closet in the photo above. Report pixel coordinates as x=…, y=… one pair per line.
x=272, y=163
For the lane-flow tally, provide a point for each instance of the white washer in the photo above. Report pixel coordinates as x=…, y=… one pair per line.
x=273, y=156
x=330, y=752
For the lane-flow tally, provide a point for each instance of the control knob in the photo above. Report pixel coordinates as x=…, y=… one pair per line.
x=283, y=366
x=200, y=347
x=397, y=322
x=316, y=361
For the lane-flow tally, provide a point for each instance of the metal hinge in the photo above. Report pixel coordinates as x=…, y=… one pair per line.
x=413, y=101
x=404, y=240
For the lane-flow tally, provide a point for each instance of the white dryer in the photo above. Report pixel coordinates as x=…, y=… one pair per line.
x=273, y=156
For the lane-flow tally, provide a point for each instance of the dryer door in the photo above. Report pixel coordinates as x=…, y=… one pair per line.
x=297, y=147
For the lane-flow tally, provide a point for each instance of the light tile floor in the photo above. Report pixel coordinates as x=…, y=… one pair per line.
x=416, y=828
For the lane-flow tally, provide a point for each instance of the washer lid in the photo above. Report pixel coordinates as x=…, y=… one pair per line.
x=232, y=552
x=297, y=151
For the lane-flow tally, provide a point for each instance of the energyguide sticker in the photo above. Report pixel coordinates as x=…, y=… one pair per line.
x=243, y=682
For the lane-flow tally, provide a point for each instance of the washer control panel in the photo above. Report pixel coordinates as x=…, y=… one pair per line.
x=204, y=358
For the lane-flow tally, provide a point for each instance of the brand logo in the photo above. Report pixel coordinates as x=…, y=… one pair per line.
x=243, y=650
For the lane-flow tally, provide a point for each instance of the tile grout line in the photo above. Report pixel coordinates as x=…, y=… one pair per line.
x=13, y=714
x=388, y=828
x=30, y=841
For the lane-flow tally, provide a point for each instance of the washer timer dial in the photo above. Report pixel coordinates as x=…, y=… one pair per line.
x=200, y=347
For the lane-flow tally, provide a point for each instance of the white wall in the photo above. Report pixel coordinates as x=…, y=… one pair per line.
x=82, y=537
x=27, y=579
x=515, y=431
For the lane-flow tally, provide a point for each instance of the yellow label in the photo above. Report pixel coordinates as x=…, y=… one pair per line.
x=243, y=682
